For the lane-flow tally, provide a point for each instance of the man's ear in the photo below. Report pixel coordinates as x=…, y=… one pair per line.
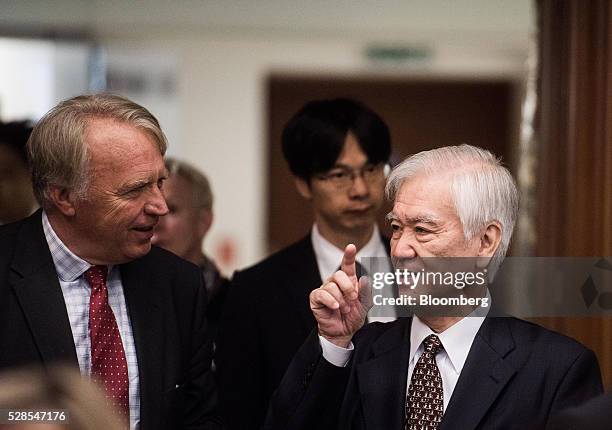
x=205, y=219
x=63, y=199
x=303, y=188
x=490, y=239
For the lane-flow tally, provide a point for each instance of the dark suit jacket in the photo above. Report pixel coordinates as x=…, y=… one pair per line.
x=165, y=299
x=596, y=414
x=267, y=317
x=515, y=376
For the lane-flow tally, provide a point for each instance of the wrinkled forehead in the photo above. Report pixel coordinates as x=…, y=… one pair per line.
x=425, y=195
x=105, y=136
x=425, y=186
x=121, y=150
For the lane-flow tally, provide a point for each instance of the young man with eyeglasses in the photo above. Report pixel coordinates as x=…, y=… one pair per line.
x=337, y=151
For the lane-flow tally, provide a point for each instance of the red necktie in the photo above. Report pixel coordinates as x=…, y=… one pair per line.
x=108, y=361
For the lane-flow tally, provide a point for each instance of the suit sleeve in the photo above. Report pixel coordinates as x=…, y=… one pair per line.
x=200, y=397
x=311, y=392
x=239, y=369
x=596, y=414
x=581, y=382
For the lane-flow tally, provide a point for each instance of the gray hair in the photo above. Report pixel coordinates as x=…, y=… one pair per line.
x=57, y=151
x=482, y=189
x=202, y=196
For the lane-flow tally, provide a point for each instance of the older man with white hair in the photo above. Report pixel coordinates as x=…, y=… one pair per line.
x=455, y=370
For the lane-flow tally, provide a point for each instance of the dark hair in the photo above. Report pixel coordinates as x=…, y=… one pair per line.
x=15, y=135
x=314, y=137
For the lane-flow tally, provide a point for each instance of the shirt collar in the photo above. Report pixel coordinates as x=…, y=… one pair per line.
x=329, y=257
x=68, y=265
x=456, y=340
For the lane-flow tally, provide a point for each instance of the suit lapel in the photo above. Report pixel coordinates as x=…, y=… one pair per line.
x=36, y=285
x=484, y=376
x=303, y=270
x=382, y=379
x=387, y=243
x=142, y=301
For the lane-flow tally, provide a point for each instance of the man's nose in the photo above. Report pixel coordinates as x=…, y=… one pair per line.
x=404, y=246
x=157, y=204
x=359, y=186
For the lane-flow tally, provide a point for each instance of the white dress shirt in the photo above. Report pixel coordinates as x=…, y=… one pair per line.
x=76, y=291
x=329, y=256
x=456, y=341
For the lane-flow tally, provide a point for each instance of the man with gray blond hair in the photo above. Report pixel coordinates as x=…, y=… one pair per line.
x=183, y=230
x=79, y=281
x=434, y=370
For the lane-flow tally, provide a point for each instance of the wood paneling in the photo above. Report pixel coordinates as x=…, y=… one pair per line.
x=574, y=189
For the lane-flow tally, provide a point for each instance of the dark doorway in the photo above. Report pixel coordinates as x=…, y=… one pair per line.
x=421, y=114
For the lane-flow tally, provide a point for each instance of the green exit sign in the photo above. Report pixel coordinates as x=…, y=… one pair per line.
x=397, y=54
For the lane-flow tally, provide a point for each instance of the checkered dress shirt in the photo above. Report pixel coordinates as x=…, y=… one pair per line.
x=76, y=291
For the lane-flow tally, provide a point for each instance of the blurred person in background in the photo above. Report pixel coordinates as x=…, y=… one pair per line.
x=337, y=151
x=59, y=390
x=80, y=282
x=16, y=197
x=182, y=231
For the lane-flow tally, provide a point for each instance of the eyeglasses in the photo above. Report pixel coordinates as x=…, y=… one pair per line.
x=343, y=178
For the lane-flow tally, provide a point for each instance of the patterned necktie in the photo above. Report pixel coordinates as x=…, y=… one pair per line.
x=108, y=361
x=425, y=402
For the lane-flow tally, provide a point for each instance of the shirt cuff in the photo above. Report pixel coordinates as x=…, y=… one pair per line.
x=335, y=354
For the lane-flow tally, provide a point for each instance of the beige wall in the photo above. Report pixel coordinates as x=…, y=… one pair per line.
x=224, y=50
x=222, y=121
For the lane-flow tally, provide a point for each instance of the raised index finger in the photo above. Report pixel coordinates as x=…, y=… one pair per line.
x=348, y=261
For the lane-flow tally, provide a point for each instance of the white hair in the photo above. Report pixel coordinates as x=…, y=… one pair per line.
x=482, y=189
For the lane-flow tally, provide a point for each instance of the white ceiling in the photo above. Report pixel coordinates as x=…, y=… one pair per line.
x=382, y=18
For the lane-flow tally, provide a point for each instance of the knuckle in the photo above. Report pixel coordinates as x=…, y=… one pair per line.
x=330, y=286
x=317, y=295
